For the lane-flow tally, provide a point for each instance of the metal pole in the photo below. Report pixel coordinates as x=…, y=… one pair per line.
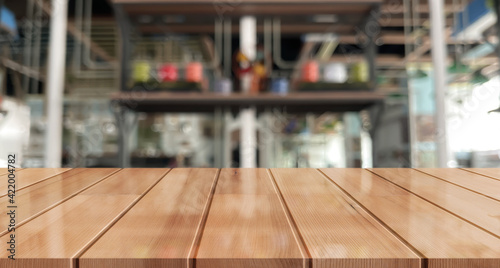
x=496, y=3
x=55, y=83
x=439, y=52
x=124, y=27
x=28, y=32
x=248, y=137
x=372, y=30
x=37, y=46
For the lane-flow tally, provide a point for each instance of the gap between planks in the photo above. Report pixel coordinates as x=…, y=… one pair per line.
x=479, y=173
x=41, y=212
x=477, y=192
x=36, y=182
x=433, y=203
x=293, y=225
x=423, y=258
x=195, y=246
x=76, y=258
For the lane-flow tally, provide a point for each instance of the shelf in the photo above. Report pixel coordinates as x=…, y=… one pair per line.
x=255, y=7
x=350, y=14
x=207, y=102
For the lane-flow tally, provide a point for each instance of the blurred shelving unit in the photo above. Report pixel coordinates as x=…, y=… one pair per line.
x=356, y=20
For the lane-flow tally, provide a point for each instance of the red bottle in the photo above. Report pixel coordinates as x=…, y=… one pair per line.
x=310, y=72
x=194, y=72
x=168, y=73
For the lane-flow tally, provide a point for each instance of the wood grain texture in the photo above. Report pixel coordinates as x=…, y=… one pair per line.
x=54, y=238
x=443, y=238
x=247, y=225
x=489, y=172
x=30, y=176
x=165, y=224
x=476, y=208
x=46, y=194
x=4, y=171
x=336, y=230
x=474, y=182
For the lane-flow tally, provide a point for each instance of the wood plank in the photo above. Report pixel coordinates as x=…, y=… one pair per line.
x=4, y=171
x=489, y=172
x=336, y=230
x=29, y=176
x=54, y=238
x=478, y=209
x=444, y=239
x=166, y=224
x=474, y=182
x=247, y=225
x=44, y=195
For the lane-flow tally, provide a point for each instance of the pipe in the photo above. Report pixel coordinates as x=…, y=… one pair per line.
x=37, y=46
x=87, y=31
x=218, y=44
x=28, y=31
x=439, y=52
x=77, y=51
x=267, y=46
x=277, y=47
x=55, y=83
x=497, y=11
x=227, y=47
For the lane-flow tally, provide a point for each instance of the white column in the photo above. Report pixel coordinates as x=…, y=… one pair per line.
x=248, y=44
x=55, y=83
x=248, y=139
x=439, y=53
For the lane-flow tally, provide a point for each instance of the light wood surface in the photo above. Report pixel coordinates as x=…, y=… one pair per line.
x=247, y=225
x=4, y=171
x=478, y=209
x=44, y=195
x=27, y=177
x=60, y=234
x=490, y=172
x=335, y=228
x=239, y=218
x=474, y=182
x=166, y=224
x=444, y=239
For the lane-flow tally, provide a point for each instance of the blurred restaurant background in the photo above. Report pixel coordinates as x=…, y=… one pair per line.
x=250, y=83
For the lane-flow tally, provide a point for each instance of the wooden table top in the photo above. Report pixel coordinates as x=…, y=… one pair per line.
x=218, y=218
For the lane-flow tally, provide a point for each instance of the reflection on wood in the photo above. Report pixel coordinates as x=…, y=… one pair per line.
x=490, y=172
x=247, y=225
x=44, y=195
x=336, y=230
x=474, y=182
x=474, y=207
x=54, y=238
x=165, y=223
x=27, y=177
x=443, y=238
x=239, y=218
